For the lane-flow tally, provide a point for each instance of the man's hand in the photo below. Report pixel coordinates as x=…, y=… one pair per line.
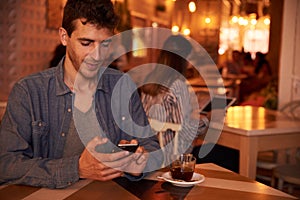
x=102, y=166
x=139, y=159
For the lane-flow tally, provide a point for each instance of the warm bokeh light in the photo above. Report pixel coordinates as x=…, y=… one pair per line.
x=207, y=20
x=253, y=21
x=175, y=29
x=229, y=38
x=243, y=21
x=192, y=7
x=267, y=21
x=256, y=40
x=221, y=51
x=240, y=20
x=186, y=31
x=154, y=25
x=235, y=19
x=221, y=90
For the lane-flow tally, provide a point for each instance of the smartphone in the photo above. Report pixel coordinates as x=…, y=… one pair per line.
x=128, y=147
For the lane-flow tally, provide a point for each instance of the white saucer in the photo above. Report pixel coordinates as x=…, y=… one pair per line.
x=197, y=178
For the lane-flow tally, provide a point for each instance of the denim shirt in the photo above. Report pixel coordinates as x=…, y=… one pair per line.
x=37, y=119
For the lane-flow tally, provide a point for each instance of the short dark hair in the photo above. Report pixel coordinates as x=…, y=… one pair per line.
x=98, y=12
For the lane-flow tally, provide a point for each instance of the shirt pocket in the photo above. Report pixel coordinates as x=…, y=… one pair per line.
x=40, y=136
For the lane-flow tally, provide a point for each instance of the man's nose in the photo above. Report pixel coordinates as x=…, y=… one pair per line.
x=96, y=53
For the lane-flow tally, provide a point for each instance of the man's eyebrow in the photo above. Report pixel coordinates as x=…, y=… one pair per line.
x=86, y=39
x=107, y=40
x=90, y=40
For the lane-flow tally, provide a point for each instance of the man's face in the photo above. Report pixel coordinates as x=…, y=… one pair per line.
x=87, y=49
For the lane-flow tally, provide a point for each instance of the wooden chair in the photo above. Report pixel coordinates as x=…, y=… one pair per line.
x=267, y=161
x=292, y=109
x=161, y=127
x=288, y=175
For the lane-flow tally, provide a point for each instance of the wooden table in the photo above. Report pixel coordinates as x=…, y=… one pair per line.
x=213, y=82
x=253, y=129
x=216, y=85
x=219, y=183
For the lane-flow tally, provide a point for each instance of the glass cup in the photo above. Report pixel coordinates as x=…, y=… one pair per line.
x=182, y=168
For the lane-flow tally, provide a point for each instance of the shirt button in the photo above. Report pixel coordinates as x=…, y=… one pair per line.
x=69, y=110
x=69, y=183
x=123, y=118
x=40, y=124
x=63, y=134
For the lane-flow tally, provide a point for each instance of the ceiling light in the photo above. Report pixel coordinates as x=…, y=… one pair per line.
x=192, y=7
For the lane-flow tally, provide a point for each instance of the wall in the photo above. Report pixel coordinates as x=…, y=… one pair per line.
x=289, y=65
x=275, y=34
x=26, y=44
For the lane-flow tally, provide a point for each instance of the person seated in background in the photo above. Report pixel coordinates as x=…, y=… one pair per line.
x=262, y=67
x=41, y=142
x=166, y=98
x=250, y=87
x=248, y=65
x=234, y=65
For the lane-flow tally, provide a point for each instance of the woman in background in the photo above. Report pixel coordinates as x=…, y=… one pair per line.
x=166, y=97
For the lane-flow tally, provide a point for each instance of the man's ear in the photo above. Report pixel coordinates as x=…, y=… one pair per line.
x=63, y=36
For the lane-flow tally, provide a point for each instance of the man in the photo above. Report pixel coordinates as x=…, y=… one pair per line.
x=48, y=137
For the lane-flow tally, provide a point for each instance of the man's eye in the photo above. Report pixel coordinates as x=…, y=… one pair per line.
x=106, y=43
x=85, y=43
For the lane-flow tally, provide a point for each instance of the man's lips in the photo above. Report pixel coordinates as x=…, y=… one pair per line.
x=92, y=66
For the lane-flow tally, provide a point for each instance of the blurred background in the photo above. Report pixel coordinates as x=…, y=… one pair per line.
x=29, y=34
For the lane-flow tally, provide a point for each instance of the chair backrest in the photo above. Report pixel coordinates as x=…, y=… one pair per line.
x=161, y=127
x=292, y=109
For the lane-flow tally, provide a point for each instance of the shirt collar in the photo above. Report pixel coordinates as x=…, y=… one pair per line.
x=61, y=87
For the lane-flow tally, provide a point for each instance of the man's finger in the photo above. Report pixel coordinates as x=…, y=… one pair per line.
x=94, y=142
x=120, y=163
x=110, y=157
x=134, y=141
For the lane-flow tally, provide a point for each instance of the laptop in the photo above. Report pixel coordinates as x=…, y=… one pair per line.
x=216, y=102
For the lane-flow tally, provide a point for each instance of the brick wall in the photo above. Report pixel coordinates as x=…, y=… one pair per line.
x=26, y=44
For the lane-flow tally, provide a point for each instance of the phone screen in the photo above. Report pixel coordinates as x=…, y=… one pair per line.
x=128, y=147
